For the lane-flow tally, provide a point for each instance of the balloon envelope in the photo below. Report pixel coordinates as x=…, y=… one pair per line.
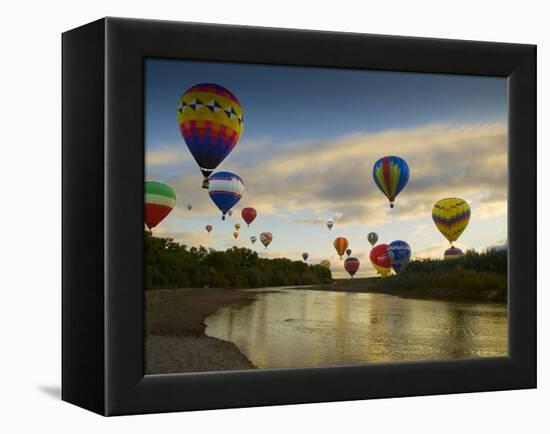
x=451, y=216
x=352, y=265
x=160, y=199
x=453, y=253
x=380, y=260
x=210, y=119
x=208, y=228
x=372, y=237
x=305, y=255
x=225, y=190
x=399, y=254
x=248, y=214
x=189, y=207
x=340, y=244
x=253, y=239
x=348, y=252
x=266, y=238
x=235, y=234
x=237, y=226
x=330, y=224
x=391, y=174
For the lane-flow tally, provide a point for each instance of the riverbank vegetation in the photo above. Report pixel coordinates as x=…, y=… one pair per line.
x=172, y=265
x=475, y=276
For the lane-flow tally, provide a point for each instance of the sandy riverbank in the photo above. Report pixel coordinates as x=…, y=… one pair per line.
x=175, y=341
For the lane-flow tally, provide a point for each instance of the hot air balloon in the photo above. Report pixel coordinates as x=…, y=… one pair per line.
x=325, y=263
x=210, y=119
x=451, y=216
x=230, y=212
x=352, y=265
x=160, y=199
x=189, y=207
x=235, y=235
x=253, y=239
x=453, y=253
x=391, y=174
x=380, y=260
x=305, y=255
x=225, y=190
x=237, y=226
x=340, y=244
x=248, y=214
x=208, y=228
x=399, y=254
x=372, y=237
x=330, y=224
x=266, y=238
x=348, y=252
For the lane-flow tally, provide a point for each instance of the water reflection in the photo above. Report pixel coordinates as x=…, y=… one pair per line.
x=296, y=328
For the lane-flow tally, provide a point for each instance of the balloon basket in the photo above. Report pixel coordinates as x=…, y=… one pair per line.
x=205, y=183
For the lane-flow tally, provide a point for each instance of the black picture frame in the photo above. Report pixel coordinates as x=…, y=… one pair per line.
x=103, y=171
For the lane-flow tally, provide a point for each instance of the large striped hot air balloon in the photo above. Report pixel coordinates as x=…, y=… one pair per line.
x=451, y=216
x=340, y=244
x=225, y=190
x=399, y=254
x=160, y=199
x=453, y=253
x=391, y=174
x=210, y=119
x=372, y=237
x=266, y=238
x=380, y=260
x=352, y=265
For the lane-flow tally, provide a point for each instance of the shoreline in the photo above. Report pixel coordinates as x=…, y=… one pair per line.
x=175, y=339
x=361, y=285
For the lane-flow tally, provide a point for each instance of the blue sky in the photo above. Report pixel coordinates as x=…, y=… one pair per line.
x=310, y=138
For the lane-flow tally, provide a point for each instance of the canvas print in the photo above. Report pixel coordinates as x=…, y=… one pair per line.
x=310, y=217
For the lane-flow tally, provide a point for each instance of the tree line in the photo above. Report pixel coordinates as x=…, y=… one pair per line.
x=169, y=264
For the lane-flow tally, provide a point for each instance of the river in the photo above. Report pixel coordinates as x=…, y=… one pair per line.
x=285, y=328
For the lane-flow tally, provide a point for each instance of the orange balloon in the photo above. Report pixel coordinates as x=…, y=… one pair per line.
x=340, y=244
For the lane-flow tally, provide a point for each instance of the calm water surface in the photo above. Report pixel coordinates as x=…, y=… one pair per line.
x=298, y=328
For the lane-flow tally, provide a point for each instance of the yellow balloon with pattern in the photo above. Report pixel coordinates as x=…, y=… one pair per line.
x=451, y=216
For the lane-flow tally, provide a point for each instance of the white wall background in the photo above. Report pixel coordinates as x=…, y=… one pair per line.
x=30, y=138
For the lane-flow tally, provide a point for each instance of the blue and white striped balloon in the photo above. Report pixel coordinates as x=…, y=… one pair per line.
x=399, y=254
x=225, y=189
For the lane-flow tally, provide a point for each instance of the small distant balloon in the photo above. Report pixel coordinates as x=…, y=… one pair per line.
x=248, y=214
x=330, y=224
x=235, y=235
x=372, y=237
x=208, y=228
x=266, y=238
x=230, y=212
x=305, y=255
x=352, y=265
x=348, y=252
x=253, y=239
x=225, y=189
x=237, y=226
x=399, y=254
x=340, y=244
x=189, y=207
x=160, y=199
x=453, y=253
x=391, y=174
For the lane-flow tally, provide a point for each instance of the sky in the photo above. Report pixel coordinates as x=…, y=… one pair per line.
x=310, y=139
